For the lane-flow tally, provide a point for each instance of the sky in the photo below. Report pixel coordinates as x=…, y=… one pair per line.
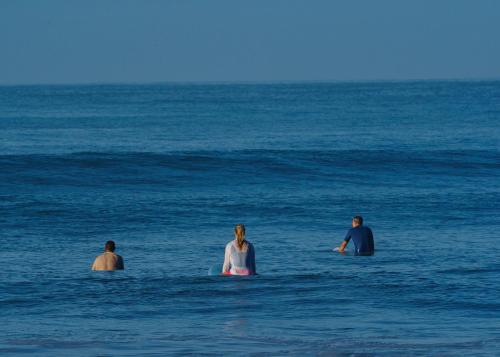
x=141, y=41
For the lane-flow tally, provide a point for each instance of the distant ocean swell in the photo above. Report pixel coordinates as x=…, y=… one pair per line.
x=296, y=186
x=278, y=162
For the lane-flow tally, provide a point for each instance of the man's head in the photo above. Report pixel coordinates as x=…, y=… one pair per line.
x=357, y=221
x=110, y=246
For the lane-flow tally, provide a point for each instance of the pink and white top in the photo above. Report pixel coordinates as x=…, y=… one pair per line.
x=239, y=262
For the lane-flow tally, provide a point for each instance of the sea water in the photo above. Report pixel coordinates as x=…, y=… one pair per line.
x=167, y=170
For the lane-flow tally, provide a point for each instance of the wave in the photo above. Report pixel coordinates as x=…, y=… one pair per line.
x=273, y=160
x=296, y=170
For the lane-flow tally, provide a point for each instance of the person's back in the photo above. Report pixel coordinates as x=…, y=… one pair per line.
x=240, y=261
x=109, y=260
x=362, y=237
x=239, y=256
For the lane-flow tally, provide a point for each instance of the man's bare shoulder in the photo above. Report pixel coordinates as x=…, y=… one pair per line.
x=99, y=263
x=108, y=261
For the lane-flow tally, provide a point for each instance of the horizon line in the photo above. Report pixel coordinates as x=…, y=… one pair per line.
x=251, y=82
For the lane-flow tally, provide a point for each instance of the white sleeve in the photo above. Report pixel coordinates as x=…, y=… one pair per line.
x=227, y=259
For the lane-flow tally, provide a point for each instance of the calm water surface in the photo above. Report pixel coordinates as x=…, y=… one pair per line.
x=167, y=170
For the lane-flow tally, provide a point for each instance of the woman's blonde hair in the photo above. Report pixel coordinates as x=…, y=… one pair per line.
x=239, y=232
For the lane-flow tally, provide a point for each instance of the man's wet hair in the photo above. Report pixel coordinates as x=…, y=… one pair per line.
x=109, y=246
x=358, y=219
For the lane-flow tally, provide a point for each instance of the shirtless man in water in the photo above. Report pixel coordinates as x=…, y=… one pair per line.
x=108, y=260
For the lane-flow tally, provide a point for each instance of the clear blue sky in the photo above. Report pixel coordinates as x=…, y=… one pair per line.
x=89, y=41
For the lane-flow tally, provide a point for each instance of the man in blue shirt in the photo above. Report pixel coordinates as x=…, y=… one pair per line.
x=361, y=236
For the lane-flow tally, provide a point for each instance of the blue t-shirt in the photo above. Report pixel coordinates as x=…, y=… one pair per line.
x=363, y=239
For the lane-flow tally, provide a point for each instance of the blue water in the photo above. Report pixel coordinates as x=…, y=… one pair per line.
x=167, y=170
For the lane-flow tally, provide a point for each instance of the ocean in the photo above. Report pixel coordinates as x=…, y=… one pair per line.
x=167, y=170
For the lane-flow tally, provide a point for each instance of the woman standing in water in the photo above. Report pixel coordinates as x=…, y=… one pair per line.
x=239, y=258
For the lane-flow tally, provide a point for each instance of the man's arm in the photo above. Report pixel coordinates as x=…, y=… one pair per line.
x=119, y=263
x=96, y=265
x=343, y=245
